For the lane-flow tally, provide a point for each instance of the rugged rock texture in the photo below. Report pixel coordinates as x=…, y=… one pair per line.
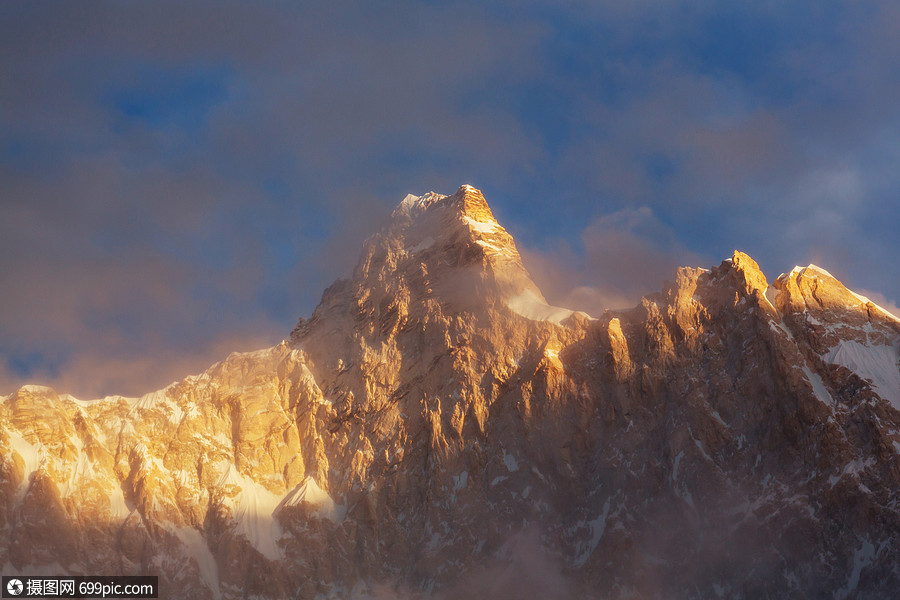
x=435, y=429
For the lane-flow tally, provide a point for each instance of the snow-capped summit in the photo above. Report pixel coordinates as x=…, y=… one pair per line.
x=814, y=288
x=446, y=249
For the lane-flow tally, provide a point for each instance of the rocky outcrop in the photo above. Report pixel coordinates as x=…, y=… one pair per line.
x=435, y=427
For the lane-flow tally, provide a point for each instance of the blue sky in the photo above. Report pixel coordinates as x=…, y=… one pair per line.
x=180, y=180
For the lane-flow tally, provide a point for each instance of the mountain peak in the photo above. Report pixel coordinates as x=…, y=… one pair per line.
x=412, y=206
x=460, y=228
x=468, y=201
x=813, y=287
x=751, y=275
x=471, y=203
x=439, y=250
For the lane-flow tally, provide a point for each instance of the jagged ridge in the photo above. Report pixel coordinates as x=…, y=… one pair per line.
x=434, y=415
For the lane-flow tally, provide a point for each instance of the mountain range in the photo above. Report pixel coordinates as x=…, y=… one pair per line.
x=436, y=429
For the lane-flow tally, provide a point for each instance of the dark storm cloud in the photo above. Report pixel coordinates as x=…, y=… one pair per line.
x=177, y=177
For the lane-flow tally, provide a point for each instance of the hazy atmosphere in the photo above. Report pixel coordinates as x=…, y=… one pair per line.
x=182, y=180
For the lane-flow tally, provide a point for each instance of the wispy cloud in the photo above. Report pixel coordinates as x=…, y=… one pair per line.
x=623, y=256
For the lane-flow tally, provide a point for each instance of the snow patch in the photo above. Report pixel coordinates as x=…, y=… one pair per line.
x=426, y=243
x=197, y=549
x=510, y=461
x=30, y=454
x=879, y=365
x=852, y=468
x=495, y=248
x=412, y=205
x=310, y=493
x=409, y=201
x=818, y=386
x=117, y=505
x=798, y=271
x=598, y=526
x=148, y=401
x=158, y=400
x=87, y=403
x=481, y=227
x=529, y=305
x=715, y=414
x=780, y=327
x=675, y=466
x=36, y=389
x=253, y=509
x=816, y=269
x=679, y=488
x=83, y=471
x=700, y=447
x=862, y=558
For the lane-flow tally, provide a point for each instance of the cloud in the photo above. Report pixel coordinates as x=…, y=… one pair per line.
x=525, y=570
x=169, y=171
x=119, y=326
x=626, y=254
x=521, y=569
x=155, y=367
x=106, y=285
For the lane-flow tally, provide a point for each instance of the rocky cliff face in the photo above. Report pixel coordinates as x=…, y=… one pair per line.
x=435, y=429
